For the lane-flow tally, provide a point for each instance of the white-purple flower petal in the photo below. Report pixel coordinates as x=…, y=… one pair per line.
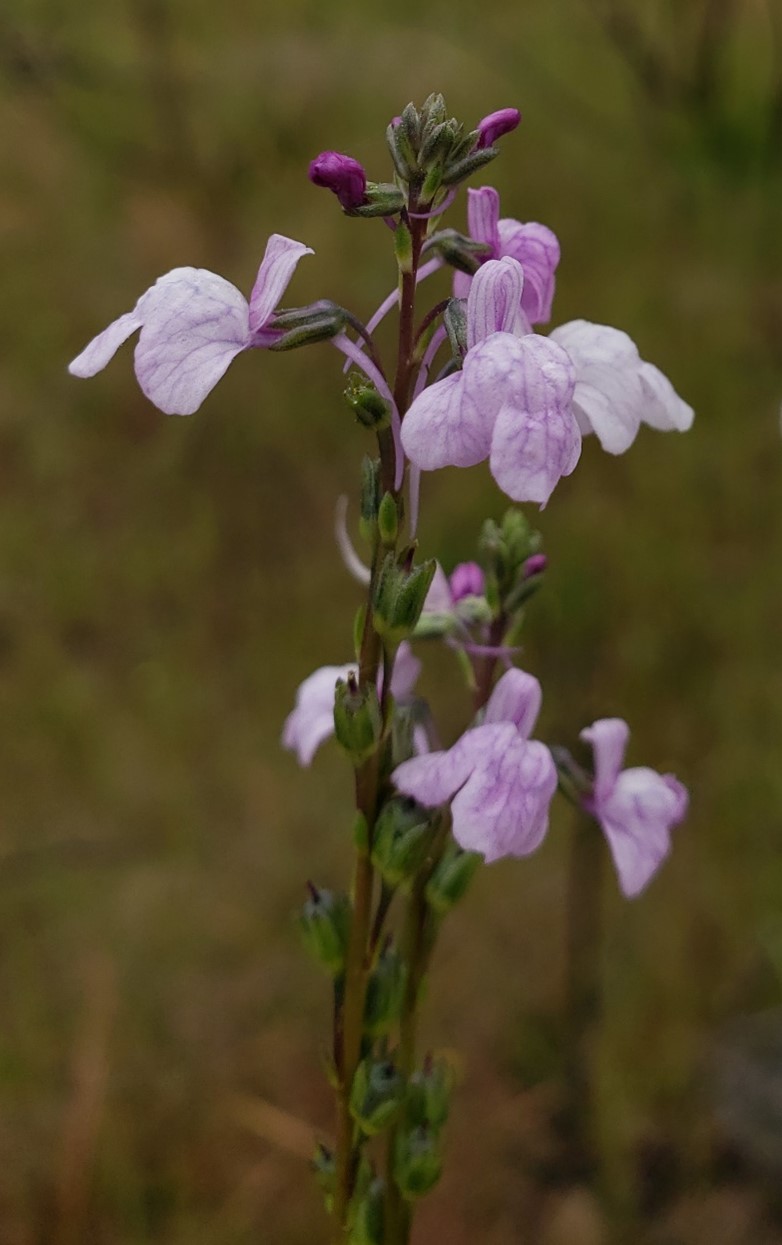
x=193, y=323
x=637, y=807
x=194, y=327
x=615, y=390
x=533, y=245
x=277, y=267
x=536, y=247
x=516, y=698
x=445, y=428
x=494, y=302
x=500, y=785
x=536, y=439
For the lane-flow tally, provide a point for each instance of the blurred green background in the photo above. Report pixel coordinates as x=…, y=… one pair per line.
x=165, y=584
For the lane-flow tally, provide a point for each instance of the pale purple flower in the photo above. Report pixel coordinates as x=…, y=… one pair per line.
x=615, y=390
x=500, y=783
x=193, y=323
x=510, y=403
x=636, y=808
x=341, y=174
x=311, y=721
x=498, y=123
x=534, y=246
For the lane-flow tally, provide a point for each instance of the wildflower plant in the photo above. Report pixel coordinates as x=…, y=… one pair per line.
x=474, y=379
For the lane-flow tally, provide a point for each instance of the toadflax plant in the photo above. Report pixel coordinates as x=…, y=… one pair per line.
x=473, y=378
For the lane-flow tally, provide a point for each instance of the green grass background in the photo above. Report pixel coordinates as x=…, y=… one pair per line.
x=165, y=584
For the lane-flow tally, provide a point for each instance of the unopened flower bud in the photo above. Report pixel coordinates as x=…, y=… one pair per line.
x=366, y=1216
x=385, y=993
x=433, y=111
x=403, y=835
x=459, y=251
x=371, y=409
x=375, y=1095
x=418, y=1162
x=301, y=326
x=341, y=174
x=504, y=121
x=324, y=924
x=399, y=598
x=534, y=565
x=457, y=170
x=429, y=1094
x=358, y=722
x=451, y=878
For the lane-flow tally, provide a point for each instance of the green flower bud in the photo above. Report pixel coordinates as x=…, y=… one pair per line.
x=371, y=410
x=375, y=1095
x=433, y=112
x=303, y=325
x=431, y=184
x=457, y=250
x=366, y=1216
x=388, y=520
x=385, y=993
x=324, y=924
x=418, y=1162
x=358, y=723
x=462, y=167
x=429, y=1094
x=451, y=878
x=399, y=598
x=403, y=835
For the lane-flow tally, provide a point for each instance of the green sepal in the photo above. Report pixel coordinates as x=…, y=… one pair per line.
x=451, y=878
x=380, y=199
x=399, y=598
x=358, y=722
x=418, y=1162
x=366, y=1221
x=376, y=1095
x=388, y=520
x=324, y=925
x=385, y=993
x=429, y=1093
x=401, y=840
x=403, y=247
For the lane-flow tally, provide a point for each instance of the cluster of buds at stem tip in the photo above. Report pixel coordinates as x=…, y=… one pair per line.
x=514, y=564
x=399, y=596
x=431, y=150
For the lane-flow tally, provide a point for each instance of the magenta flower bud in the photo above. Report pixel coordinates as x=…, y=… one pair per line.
x=534, y=565
x=341, y=174
x=495, y=125
x=466, y=580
